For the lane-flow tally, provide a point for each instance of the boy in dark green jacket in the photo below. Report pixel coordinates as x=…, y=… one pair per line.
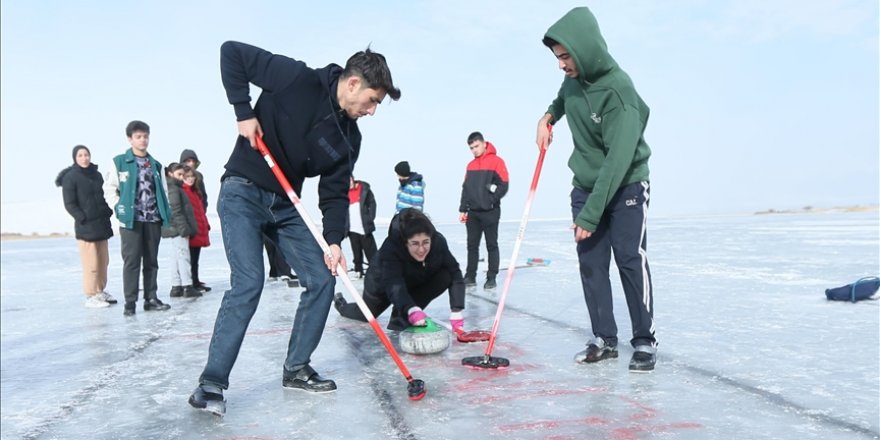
x=134, y=188
x=611, y=185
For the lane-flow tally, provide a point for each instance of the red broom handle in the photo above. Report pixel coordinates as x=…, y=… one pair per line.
x=519, y=238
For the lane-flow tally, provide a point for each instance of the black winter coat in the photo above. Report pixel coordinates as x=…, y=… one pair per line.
x=392, y=269
x=303, y=126
x=84, y=201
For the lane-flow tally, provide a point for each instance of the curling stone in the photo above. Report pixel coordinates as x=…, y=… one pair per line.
x=424, y=340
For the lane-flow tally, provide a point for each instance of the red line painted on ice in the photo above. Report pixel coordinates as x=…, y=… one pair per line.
x=485, y=377
x=625, y=426
x=537, y=394
x=554, y=424
x=631, y=432
x=647, y=411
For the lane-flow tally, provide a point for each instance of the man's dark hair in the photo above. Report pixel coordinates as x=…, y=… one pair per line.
x=412, y=222
x=134, y=126
x=371, y=66
x=475, y=136
x=549, y=42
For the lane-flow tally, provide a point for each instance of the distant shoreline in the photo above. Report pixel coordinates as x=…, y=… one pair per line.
x=810, y=209
x=15, y=236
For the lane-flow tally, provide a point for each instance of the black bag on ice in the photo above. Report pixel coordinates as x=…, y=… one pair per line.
x=861, y=289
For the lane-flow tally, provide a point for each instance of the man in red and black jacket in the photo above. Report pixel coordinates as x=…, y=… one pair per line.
x=485, y=183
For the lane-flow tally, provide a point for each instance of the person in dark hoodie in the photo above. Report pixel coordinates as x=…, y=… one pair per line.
x=82, y=189
x=413, y=267
x=190, y=159
x=362, y=217
x=609, y=201
x=308, y=119
x=411, y=193
x=485, y=183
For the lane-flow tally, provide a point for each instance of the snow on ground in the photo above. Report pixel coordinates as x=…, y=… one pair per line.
x=749, y=348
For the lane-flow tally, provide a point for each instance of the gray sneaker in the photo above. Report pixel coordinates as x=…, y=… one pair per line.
x=596, y=351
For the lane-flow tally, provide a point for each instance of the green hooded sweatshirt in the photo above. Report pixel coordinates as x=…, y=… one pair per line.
x=606, y=116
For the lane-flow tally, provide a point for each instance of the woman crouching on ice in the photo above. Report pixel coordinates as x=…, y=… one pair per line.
x=413, y=266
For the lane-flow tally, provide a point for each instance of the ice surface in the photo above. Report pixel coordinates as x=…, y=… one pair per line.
x=749, y=348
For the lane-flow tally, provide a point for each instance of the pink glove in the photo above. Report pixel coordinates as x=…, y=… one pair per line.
x=457, y=321
x=417, y=317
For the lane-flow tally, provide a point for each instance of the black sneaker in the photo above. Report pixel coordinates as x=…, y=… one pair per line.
x=176, y=291
x=293, y=281
x=643, y=359
x=596, y=351
x=306, y=379
x=490, y=283
x=129, y=309
x=208, y=398
x=201, y=287
x=470, y=281
x=339, y=302
x=191, y=292
x=155, y=304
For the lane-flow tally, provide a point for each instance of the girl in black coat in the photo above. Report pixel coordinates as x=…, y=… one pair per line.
x=81, y=186
x=413, y=266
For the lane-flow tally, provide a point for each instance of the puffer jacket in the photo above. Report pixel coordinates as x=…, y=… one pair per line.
x=84, y=201
x=183, y=220
x=200, y=238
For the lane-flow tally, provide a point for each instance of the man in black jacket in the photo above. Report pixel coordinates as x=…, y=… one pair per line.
x=308, y=119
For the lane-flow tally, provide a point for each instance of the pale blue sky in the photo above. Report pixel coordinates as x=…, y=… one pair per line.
x=754, y=104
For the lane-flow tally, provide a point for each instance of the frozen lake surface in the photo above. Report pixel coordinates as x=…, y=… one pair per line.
x=749, y=347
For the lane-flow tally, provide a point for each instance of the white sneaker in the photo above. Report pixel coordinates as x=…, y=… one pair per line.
x=108, y=298
x=96, y=301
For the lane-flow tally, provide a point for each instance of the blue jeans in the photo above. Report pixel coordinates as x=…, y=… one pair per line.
x=246, y=212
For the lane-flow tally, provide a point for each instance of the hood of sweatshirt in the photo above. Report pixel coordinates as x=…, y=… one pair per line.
x=490, y=150
x=413, y=177
x=578, y=32
x=189, y=154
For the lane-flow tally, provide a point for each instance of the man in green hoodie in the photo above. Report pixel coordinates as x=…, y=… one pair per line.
x=609, y=200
